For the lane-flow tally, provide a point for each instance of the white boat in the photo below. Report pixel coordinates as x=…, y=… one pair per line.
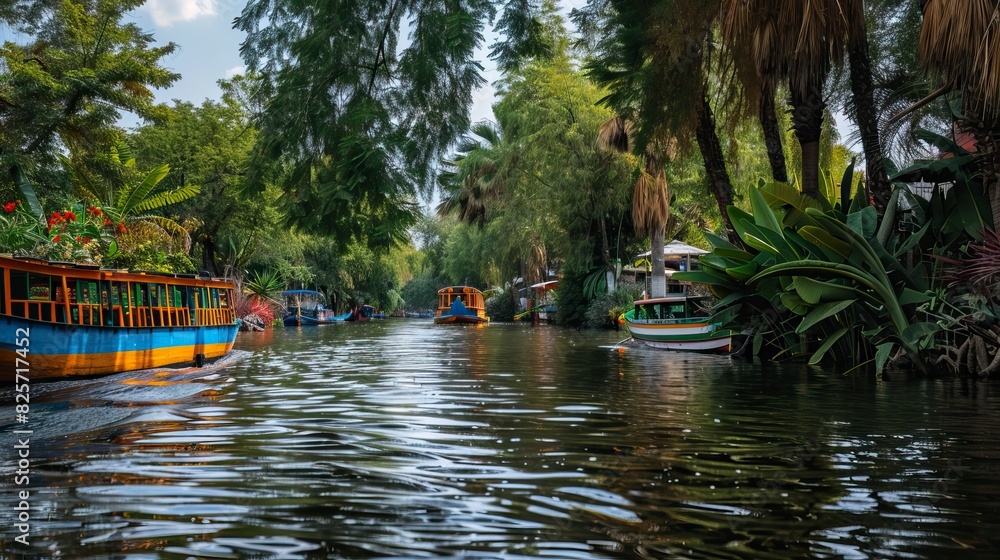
x=677, y=322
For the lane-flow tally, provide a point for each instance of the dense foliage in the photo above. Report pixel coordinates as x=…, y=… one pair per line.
x=710, y=121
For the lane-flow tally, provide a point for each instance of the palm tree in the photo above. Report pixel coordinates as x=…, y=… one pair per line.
x=959, y=40
x=797, y=41
x=650, y=196
x=477, y=175
x=653, y=59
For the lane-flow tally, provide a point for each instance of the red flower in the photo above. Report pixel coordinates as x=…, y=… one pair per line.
x=10, y=206
x=55, y=218
x=78, y=239
x=55, y=239
x=107, y=222
x=121, y=227
x=69, y=216
x=95, y=211
x=86, y=240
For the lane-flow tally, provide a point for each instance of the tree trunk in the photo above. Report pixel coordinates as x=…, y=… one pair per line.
x=867, y=121
x=208, y=259
x=715, y=164
x=658, y=282
x=807, y=120
x=810, y=169
x=772, y=137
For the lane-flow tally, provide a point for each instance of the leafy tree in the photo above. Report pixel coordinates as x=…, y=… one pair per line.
x=357, y=114
x=65, y=90
x=209, y=145
x=648, y=56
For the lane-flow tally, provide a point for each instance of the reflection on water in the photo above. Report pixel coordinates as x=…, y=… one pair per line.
x=399, y=439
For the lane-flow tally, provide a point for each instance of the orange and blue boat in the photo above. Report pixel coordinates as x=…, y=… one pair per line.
x=66, y=320
x=460, y=305
x=677, y=322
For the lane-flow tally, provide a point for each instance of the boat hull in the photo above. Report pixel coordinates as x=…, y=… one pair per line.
x=459, y=319
x=60, y=351
x=306, y=320
x=699, y=337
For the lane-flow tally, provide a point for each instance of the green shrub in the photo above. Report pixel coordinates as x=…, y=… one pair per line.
x=605, y=309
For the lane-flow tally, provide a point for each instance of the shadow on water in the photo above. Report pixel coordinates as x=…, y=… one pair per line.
x=400, y=439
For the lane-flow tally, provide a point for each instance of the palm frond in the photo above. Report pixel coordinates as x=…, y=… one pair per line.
x=132, y=195
x=167, y=227
x=167, y=198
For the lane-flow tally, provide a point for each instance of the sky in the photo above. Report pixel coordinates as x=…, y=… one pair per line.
x=208, y=49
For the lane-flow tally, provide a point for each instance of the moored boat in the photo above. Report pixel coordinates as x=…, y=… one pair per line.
x=305, y=308
x=460, y=305
x=68, y=319
x=372, y=313
x=677, y=322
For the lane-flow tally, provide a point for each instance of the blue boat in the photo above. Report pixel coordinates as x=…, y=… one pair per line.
x=70, y=320
x=306, y=308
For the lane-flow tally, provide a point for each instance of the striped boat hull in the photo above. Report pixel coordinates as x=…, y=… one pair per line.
x=59, y=350
x=681, y=335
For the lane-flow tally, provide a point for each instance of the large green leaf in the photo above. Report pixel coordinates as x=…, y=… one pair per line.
x=920, y=335
x=794, y=303
x=822, y=312
x=816, y=291
x=824, y=238
x=134, y=195
x=26, y=191
x=827, y=344
x=738, y=217
x=733, y=254
x=882, y=353
x=864, y=221
x=888, y=219
x=913, y=297
x=973, y=210
x=743, y=272
x=773, y=242
x=845, y=186
x=863, y=251
x=913, y=240
x=762, y=214
x=719, y=242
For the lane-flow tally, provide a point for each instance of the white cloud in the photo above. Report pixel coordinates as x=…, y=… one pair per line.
x=241, y=69
x=166, y=12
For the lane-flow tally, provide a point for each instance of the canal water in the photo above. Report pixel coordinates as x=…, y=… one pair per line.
x=401, y=439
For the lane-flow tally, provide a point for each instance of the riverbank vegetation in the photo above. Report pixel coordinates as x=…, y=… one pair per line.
x=345, y=160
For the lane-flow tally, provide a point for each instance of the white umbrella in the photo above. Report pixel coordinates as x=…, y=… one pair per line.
x=678, y=249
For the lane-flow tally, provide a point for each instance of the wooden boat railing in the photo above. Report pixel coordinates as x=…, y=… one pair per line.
x=93, y=314
x=215, y=316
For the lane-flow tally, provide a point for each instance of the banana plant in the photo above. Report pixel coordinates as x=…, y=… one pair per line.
x=134, y=199
x=816, y=279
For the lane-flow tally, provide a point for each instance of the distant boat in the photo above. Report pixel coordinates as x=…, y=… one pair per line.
x=677, y=322
x=370, y=312
x=304, y=308
x=460, y=304
x=66, y=319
